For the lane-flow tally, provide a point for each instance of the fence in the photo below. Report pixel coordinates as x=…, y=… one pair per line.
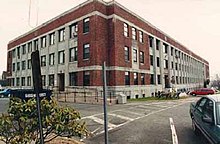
x=84, y=95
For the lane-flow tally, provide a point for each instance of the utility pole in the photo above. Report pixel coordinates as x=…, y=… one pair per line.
x=105, y=103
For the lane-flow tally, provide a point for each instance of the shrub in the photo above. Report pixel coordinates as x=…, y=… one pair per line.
x=20, y=124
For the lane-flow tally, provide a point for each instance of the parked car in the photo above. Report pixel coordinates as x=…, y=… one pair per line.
x=202, y=91
x=205, y=114
x=5, y=92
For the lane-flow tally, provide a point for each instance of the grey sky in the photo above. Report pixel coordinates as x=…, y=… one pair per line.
x=194, y=23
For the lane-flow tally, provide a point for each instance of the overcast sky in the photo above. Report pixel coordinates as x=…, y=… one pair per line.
x=194, y=23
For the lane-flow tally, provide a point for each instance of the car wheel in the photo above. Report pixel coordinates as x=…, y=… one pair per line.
x=194, y=127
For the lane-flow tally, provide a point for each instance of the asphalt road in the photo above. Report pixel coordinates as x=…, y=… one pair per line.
x=137, y=122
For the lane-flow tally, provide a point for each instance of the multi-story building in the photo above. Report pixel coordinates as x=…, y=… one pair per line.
x=140, y=58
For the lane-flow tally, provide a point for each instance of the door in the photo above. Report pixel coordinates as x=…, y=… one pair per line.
x=61, y=81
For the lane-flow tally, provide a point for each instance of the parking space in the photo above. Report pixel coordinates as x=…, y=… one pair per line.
x=119, y=115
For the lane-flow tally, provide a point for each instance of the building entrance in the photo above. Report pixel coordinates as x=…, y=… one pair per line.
x=61, y=81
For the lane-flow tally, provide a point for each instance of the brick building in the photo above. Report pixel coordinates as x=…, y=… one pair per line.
x=140, y=58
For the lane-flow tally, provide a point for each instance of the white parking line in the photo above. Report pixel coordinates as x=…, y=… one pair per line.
x=122, y=117
x=101, y=121
x=173, y=130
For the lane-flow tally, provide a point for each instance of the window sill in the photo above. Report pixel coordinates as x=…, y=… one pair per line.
x=72, y=62
x=85, y=33
x=86, y=59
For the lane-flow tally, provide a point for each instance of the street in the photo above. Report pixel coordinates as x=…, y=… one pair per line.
x=137, y=122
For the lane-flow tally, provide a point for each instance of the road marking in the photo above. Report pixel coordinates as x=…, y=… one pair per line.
x=116, y=126
x=149, y=107
x=173, y=130
x=133, y=113
x=101, y=121
x=121, y=117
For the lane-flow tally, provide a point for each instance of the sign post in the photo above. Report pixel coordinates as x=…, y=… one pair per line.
x=37, y=81
x=105, y=103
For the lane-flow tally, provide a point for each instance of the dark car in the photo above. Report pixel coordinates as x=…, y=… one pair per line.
x=5, y=93
x=205, y=115
x=202, y=91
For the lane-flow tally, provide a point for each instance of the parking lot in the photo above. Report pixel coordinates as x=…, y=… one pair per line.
x=135, y=119
x=129, y=115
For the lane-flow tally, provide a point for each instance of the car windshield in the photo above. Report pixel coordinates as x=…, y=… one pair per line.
x=218, y=113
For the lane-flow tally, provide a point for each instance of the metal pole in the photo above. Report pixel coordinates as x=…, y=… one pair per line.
x=105, y=103
x=39, y=118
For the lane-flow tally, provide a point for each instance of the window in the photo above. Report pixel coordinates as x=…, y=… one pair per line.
x=52, y=38
x=151, y=60
x=51, y=59
x=171, y=51
x=13, y=53
x=152, y=79
x=133, y=31
x=86, y=51
x=29, y=81
x=18, y=81
x=22, y=81
x=165, y=50
x=36, y=45
x=29, y=64
x=73, y=54
x=126, y=49
x=142, y=79
x=157, y=44
x=86, y=78
x=172, y=65
x=73, y=79
x=127, y=78
x=18, y=66
x=43, y=42
x=24, y=49
x=141, y=57
x=141, y=39
x=218, y=113
x=126, y=32
x=151, y=41
x=158, y=79
x=12, y=82
x=135, y=55
x=43, y=80
x=43, y=60
x=176, y=66
x=61, y=57
x=18, y=52
x=86, y=25
x=158, y=62
x=73, y=30
x=177, y=80
x=13, y=67
x=29, y=47
x=23, y=65
x=200, y=104
x=61, y=35
x=208, y=109
x=135, y=78
x=166, y=64
x=51, y=80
